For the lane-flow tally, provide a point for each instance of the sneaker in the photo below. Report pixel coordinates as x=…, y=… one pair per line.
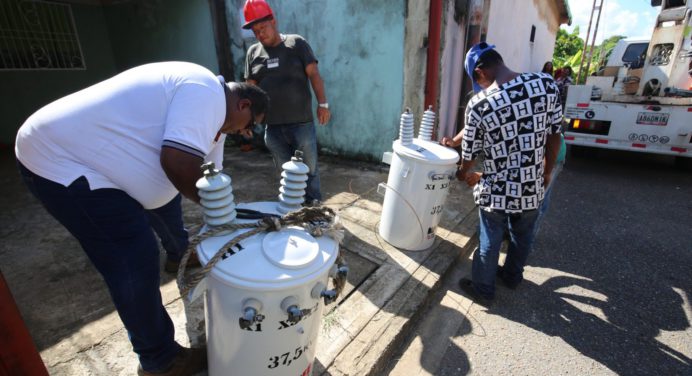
x=501, y=274
x=187, y=363
x=466, y=285
x=172, y=266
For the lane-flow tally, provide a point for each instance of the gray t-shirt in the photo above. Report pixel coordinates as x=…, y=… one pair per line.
x=280, y=71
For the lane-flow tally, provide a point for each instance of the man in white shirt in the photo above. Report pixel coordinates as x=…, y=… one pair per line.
x=108, y=162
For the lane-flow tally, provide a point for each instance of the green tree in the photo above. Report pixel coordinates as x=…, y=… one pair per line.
x=568, y=52
x=566, y=46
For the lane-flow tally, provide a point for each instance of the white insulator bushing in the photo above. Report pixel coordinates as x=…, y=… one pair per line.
x=427, y=124
x=216, y=196
x=292, y=190
x=406, y=128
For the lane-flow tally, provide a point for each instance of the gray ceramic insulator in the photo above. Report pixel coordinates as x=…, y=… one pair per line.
x=427, y=125
x=293, y=183
x=406, y=128
x=216, y=197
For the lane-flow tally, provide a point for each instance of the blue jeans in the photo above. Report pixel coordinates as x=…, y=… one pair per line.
x=115, y=232
x=167, y=221
x=545, y=204
x=284, y=139
x=521, y=229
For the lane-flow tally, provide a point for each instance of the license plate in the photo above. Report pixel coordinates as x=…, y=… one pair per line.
x=652, y=118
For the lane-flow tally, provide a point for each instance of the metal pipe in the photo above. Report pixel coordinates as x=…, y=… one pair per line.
x=593, y=41
x=586, y=43
x=433, y=61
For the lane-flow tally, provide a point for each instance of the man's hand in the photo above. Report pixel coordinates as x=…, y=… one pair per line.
x=323, y=115
x=473, y=178
x=447, y=141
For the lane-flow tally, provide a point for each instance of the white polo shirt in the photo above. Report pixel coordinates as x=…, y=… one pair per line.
x=112, y=132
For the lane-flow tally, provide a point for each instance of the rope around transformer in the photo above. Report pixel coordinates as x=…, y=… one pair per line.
x=317, y=221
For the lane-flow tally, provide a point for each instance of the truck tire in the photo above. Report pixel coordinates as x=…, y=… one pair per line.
x=577, y=151
x=683, y=163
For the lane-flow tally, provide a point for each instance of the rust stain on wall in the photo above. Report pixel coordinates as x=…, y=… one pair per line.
x=548, y=11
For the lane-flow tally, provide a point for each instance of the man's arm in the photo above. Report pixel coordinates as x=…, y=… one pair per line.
x=464, y=172
x=552, y=148
x=313, y=73
x=452, y=142
x=183, y=170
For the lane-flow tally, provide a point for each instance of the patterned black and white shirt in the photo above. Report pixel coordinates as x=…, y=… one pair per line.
x=510, y=125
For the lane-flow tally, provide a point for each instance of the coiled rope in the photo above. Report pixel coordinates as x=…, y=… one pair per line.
x=317, y=221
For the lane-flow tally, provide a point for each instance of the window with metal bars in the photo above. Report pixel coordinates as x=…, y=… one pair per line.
x=38, y=35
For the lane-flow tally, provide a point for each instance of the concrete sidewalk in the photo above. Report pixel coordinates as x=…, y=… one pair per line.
x=68, y=311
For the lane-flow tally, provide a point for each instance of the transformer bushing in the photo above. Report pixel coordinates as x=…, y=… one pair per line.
x=293, y=183
x=406, y=127
x=216, y=194
x=426, y=125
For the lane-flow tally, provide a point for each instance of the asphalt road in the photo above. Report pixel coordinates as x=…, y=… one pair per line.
x=607, y=290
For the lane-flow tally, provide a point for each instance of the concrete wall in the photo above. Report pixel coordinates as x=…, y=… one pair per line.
x=360, y=48
x=147, y=31
x=24, y=92
x=113, y=38
x=452, y=71
x=509, y=29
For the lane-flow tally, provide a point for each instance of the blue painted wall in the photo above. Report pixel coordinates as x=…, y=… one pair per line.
x=24, y=92
x=360, y=48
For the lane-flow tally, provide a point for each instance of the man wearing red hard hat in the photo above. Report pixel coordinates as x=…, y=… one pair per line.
x=282, y=65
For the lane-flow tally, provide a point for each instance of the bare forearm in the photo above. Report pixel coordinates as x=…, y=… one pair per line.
x=183, y=170
x=318, y=88
x=552, y=149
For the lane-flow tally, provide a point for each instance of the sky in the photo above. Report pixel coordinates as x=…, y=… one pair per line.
x=631, y=18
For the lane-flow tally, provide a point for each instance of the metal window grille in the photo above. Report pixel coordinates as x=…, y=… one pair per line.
x=38, y=35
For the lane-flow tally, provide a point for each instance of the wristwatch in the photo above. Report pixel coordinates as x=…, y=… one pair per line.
x=324, y=105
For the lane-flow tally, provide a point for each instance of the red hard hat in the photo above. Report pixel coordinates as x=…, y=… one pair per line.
x=254, y=11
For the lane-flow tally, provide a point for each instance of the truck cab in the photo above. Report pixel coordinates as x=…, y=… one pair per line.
x=641, y=108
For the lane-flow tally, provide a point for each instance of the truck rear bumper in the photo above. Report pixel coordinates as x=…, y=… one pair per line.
x=642, y=146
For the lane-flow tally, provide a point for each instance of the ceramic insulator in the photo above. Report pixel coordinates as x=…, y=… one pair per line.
x=406, y=128
x=294, y=177
x=216, y=195
x=427, y=124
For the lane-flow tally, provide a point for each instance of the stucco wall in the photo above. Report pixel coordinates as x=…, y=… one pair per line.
x=509, y=28
x=24, y=92
x=147, y=31
x=360, y=48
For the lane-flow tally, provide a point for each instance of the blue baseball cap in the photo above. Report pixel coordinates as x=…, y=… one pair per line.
x=472, y=58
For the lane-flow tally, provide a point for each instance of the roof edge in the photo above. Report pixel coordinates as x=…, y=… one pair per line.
x=565, y=12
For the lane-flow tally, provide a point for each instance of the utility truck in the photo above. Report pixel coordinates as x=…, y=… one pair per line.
x=646, y=109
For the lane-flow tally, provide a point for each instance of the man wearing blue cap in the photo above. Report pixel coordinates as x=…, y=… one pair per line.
x=514, y=120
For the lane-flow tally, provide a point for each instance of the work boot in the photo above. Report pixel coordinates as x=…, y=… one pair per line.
x=466, y=285
x=172, y=266
x=510, y=285
x=187, y=363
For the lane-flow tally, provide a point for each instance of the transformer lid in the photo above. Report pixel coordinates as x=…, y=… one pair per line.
x=269, y=260
x=428, y=151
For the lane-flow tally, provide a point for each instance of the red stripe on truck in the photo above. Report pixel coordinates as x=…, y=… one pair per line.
x=638, y=145
x=569, y=138
x=679, y=150
x=582, y=105
x=601, y=141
